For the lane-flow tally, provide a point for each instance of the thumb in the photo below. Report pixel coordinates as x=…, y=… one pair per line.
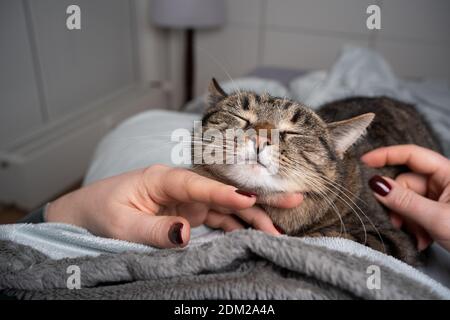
x=405, y=202
x=157, y=231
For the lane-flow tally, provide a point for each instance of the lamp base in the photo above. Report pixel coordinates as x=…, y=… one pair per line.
x=189, y=65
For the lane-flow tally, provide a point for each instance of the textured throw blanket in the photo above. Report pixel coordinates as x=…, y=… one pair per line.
x=240, y=265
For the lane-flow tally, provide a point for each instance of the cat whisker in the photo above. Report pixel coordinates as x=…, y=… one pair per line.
x=331, y=183
x=329, y=201
x=315, y=176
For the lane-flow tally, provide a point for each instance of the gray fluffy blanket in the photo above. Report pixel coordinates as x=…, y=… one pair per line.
x=241, y=265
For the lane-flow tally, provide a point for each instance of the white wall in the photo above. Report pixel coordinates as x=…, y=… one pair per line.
x=49, y=72
x=308, y=34
x=62, y=90
x=20, y=110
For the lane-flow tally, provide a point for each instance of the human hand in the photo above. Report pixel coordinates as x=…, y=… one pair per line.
x=158, y=205
x=419, y=200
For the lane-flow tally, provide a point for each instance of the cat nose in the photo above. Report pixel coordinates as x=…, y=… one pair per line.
x=260, y=142
x=263, y=135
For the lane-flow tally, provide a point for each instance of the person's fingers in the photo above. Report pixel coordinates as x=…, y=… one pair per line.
x=258, y=219
x=396, y=220
x=282, y=200
x=158, y=231
x=423, y=239
x=222, y=209
x=218, y=220
x=186, y=186
x=445, y=195
x=195, y=213
x=418, y=159
x=413, y=181
x=406, y=202
x=255, y=217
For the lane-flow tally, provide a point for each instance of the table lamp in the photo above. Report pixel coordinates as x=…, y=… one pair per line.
x=188, y=15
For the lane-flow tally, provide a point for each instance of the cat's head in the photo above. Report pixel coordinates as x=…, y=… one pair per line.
x=289, y=147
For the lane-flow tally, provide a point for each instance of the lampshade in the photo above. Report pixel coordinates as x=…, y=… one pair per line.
x=185, y=14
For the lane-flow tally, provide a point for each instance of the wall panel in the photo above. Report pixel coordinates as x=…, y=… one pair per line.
x=20, y=111
x=80, y=66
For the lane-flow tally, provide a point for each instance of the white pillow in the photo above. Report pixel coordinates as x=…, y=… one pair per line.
x=303, y=87
x=140, y=141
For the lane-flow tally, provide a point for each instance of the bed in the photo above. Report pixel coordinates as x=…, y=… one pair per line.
x=357, y=71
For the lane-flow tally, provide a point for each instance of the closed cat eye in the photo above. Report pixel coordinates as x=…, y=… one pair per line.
x=292, y=133
x=247, y=122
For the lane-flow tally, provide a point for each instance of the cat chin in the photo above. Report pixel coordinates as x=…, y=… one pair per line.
x=257, y=177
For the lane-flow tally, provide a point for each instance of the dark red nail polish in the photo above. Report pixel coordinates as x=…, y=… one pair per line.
x=279, y=229
x=175, y=233
x=379, y=185
x=246, y=193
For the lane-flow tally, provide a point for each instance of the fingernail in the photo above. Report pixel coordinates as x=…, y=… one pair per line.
x=379, y=185
x=279, y=229
x=175, y=233
x=246, y=193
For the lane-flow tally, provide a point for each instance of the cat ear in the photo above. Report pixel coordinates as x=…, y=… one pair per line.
x=215, y=92
x=345, y=133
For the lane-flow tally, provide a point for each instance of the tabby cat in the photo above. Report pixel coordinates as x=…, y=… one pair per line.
x=318, y=155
